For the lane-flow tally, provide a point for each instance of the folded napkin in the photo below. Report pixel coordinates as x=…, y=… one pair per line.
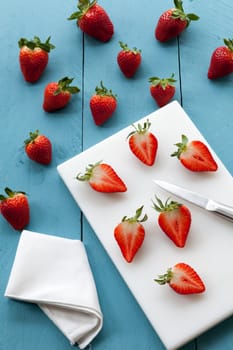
x=54, y=272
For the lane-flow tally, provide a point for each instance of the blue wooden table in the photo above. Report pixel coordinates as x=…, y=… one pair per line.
x=71, y=130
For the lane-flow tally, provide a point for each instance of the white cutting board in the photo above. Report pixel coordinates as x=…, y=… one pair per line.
x=176, y=318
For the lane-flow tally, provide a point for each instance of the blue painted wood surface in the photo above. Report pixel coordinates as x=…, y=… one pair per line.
x=53, y=211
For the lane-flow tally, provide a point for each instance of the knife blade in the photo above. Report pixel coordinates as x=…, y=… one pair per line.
x=208, y=204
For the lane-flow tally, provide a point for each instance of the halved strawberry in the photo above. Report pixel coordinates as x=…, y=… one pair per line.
x=102, y=178
x=194, y=155
x=183, y=279
x=15, y=208
x=143, y=143
x=174, y=220
x=130, y=234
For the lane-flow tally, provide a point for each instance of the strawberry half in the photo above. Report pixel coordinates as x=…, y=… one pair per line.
x=33, y=57
x=102, y=104
x=15, y=208
x=143, y=143
x=183, y=279
x=130, y=234
x=174, y=220
x=102, y=178
x=128, y=60
x=58, y=94
x=93, y=20
x=38, y=148
x=194, y=155
x=173, y=22
x=162, y=90
x=221, y=63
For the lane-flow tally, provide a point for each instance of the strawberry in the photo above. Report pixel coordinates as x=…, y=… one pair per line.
x=102, y=178
x=130, y=234
x=38, y=148
x=221, y=62
x=58, y=94
x=33, y=57
x=15, y=208
x=128, y=60
x=93, y=20
x=162, y=90
x=173, y=22
x=183, y=279
x=194, y=155
x=174, y=220
x=143, y=143
x=102, y=104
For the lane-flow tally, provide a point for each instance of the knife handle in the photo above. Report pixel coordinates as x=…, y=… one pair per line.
x=223, y=210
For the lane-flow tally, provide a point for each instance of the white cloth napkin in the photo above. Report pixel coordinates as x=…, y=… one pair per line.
x=54, y=273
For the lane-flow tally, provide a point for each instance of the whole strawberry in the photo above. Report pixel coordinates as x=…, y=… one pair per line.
x=221, y=62
x=194, y=155
x=130, y=234
x=162, y=90
x=33, y=57
x=173, y=22
x=38, y=148
x=93, y=20
x=183, y=279
x=143, y=143
x=58, y=94
x=128, y=60
x=174, y=220
x=15, y=208
x=102, y=104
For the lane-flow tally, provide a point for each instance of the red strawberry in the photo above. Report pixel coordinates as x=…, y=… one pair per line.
x=221, y=62
x=93, y=20
x=183, y=279
x=33, y=57
x=38, y=148
x=15, y=208
x=102, y=178
x=174, y=220
x=173, y=22
x=130, y=234
x=143, y=143
x=102, y=104
x=58, y=94
x=128, y=60
x=162, y=90
x=195, y=155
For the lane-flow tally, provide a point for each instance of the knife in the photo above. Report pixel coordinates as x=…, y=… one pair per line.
x=211, y=205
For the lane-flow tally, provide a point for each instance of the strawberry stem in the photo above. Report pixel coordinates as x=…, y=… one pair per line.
x=127, y=49
x=32, y=137
x=64, y=86
x=10, y=193
x=229, y=43
x=179, y=13
x=136, y=217
x=36, y=42
x=163, y=82
x=83, y=7
x=169, y=205
x=181, y=146
x=103, y=91
x=88, y=172
x=165, y=278
x=139, y=129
